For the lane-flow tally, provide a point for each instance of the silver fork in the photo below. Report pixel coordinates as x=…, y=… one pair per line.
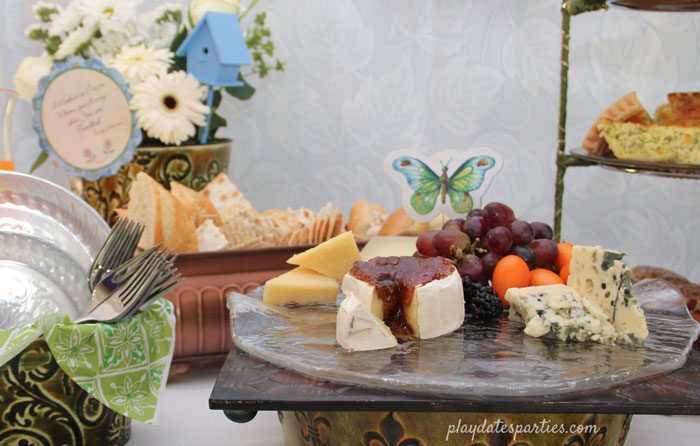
x=115, y=279
x=164, y=283
x=139, y=289
x=119, y=246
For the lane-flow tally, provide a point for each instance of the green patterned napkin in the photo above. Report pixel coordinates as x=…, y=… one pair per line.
x=123, y=365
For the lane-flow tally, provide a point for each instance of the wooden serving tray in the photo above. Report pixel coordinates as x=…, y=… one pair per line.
x=247, y=384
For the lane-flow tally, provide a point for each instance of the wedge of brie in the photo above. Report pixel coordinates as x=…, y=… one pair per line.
x=435, y=309
x=357, y=329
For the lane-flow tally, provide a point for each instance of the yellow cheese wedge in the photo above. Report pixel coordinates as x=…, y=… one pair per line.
x=300, y=285
x=332, y=258
x=388, y=246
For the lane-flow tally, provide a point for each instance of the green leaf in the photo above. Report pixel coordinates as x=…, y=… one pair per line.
x=217, y=100
x=179, y=63
x=217, y=121
x=244, y=92
x=41, y=159
x=179, y=38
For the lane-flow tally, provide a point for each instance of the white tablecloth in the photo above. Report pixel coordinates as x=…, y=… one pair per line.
x=185, y=419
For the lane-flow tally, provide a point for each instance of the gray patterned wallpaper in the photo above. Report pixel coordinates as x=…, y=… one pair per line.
x=366, y=77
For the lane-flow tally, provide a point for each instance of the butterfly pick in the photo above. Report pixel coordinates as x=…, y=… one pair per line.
x=449, y=182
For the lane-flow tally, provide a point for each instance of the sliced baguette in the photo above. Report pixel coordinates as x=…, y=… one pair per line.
x=197, y=205
x=164, y=218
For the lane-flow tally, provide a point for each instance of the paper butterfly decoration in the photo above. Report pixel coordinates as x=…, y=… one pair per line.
x=429, y=193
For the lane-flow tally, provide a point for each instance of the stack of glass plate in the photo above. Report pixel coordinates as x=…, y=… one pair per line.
x=48, y=238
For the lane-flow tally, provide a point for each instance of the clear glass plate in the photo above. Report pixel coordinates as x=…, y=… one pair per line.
x=490, y=359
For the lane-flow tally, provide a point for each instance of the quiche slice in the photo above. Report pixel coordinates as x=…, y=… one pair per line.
x=626, y=109
x=656, y=143
x=683, y=109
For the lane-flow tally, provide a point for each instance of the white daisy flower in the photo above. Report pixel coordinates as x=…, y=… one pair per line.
x=76, y=41
x=101, y=10
x=138, y=63
x=66, y=20
x=169, y=106
x=111, y=15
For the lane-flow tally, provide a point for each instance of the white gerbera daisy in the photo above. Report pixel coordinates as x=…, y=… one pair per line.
x=138, y=63
x=76, y=41
x=169, y=106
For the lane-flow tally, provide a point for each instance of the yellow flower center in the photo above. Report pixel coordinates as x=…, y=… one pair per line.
x=108, y=11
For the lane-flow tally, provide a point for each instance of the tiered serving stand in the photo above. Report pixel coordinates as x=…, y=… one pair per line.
x=578, y=157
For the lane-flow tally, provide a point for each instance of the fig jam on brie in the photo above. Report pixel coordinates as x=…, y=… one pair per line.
x=412, y=297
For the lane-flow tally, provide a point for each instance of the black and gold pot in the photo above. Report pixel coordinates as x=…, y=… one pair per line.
x=41, y=406
x=427, y=429
x=194, y=166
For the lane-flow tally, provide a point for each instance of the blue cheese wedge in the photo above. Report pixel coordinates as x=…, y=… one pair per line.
x=559, y=312
x=601, y=275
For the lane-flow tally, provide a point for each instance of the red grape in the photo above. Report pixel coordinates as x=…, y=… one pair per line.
x=545, y=251
x=522, y=232
x=470, y=266
x=475, y=227
x=498, y=214
x=456, y=224
x=475, y=213
x=488, y=262
x=541, y=230
x=499, y=240
x=419, y=255
x=448, y=241
x=425, y=246
x=526, y=254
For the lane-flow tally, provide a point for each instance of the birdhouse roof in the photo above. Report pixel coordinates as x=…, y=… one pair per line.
x=225, y=32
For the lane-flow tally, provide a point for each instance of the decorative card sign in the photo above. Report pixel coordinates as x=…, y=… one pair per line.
x=449, y=182
x=83, y=118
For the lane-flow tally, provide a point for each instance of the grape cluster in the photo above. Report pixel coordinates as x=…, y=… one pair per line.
x=477, y=242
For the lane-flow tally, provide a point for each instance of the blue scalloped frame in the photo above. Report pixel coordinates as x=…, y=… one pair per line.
x=134, y=140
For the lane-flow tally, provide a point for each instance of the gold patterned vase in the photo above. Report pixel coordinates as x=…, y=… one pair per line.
x=41, y=406
x=194, y=166
x=464, y=429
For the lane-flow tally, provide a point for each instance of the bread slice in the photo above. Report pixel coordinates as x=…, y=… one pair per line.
x=400, y=223
x=224, y=194
x=626, y=109
x=122, y=212
x=210, y=237
x=197, y=205
x=366, y=219
x=164, y=218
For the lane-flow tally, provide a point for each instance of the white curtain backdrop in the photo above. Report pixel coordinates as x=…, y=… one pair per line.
x=366, y=77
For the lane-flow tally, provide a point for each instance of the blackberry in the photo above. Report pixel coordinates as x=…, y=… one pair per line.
x=480, y=301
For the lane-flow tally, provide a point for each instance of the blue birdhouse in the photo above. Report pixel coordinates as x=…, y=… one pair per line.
x=215, y=50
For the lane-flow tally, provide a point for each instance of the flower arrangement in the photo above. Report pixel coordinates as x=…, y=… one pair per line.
x=168, y=102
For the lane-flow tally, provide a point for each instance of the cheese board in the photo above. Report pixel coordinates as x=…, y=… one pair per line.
x=490, y=359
